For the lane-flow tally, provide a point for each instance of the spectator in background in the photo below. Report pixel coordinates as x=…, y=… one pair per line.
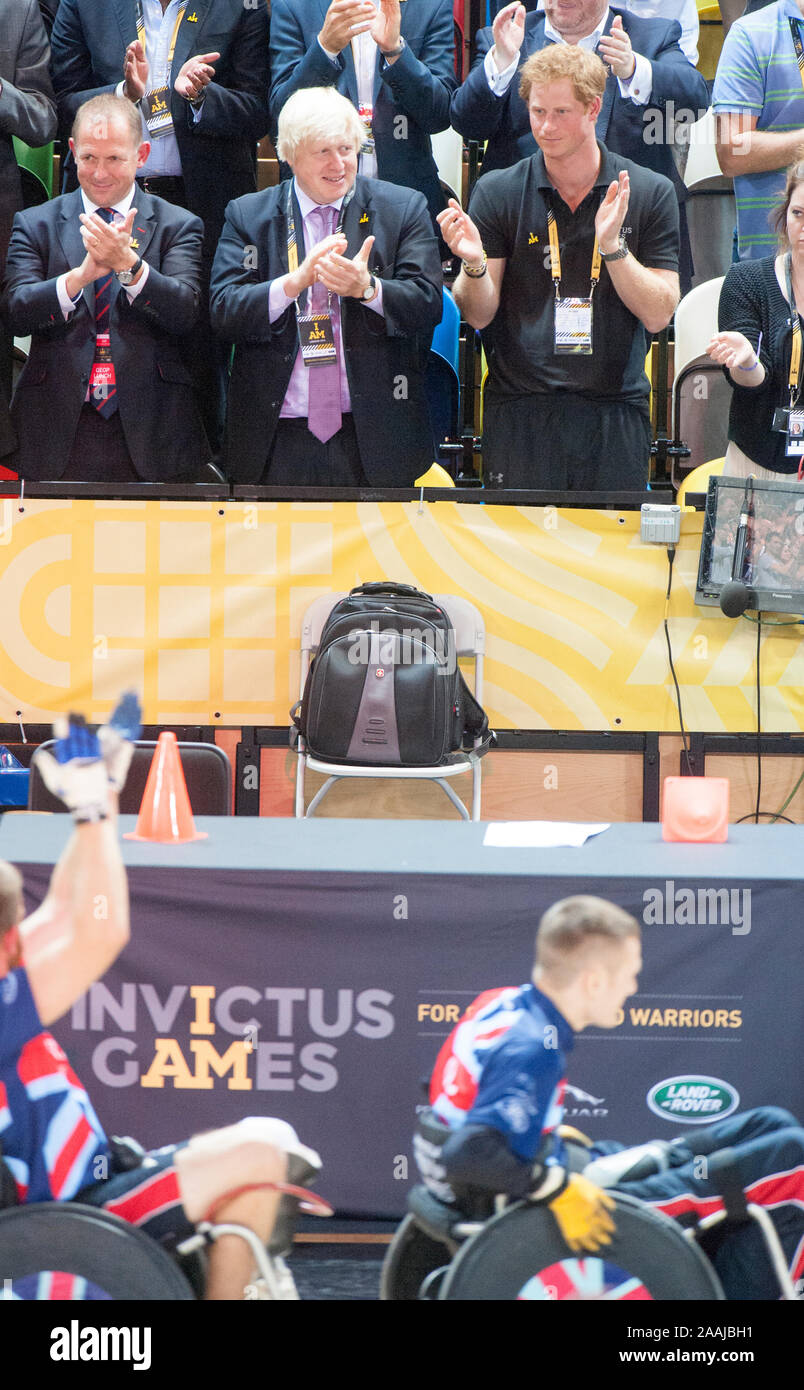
x=754, y=345
x=649, y=82
x=348, y=267
x=685, y=11
x=758, y=99
x=199, y=76
x=568, y=257
x=395, y=63
x=106, y=280
x=27, y=111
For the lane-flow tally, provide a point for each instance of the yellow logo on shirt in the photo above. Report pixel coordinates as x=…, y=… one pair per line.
x=532, y=239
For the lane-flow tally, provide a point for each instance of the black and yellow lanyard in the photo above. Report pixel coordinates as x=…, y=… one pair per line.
x=174, y=35
x=293, y=247
x=555, y=257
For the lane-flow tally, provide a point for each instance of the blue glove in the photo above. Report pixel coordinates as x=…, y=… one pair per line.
x=76, y=774
x=117, y=738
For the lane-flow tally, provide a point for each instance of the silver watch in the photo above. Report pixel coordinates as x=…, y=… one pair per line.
x=370, y=290
x=126, y=276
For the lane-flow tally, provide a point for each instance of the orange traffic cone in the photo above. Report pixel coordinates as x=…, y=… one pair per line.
x=166, y=815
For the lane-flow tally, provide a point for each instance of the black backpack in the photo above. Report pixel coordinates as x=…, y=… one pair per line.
x=385, y=687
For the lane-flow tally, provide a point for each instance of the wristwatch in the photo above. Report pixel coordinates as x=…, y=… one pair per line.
x=394, y=52
x=618, y=255
x=126, y=276
x=370, y=290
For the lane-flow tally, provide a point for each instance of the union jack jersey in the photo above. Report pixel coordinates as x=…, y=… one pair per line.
x=49, y=1132
x=504, y=1066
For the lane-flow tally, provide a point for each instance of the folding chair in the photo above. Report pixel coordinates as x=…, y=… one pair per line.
x=701, y=393
x=207, y=772
x=470, y=642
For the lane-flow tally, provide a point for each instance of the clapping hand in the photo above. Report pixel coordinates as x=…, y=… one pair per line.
x=460, y=232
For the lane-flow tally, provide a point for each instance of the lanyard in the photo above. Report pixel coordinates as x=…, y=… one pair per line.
x=795, y=350
x=798, y=46
x=555, y=257
x=293, y=249
x=174, y=35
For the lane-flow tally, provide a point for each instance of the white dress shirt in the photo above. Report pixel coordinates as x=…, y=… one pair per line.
x=685, y=11
x=364, y=53
x=164, y=158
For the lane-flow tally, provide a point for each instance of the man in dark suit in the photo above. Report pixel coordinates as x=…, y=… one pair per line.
x=330, y=287
x=105, y=280
x=207, y=62
x=27, y=110
x=395, y=63
x=650, y=83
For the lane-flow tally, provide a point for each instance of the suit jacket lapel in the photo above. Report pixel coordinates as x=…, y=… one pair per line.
x=190, y=33
x=144, y=226
x=357, y=222
x=127, y=19
x=612, y=91
x=69, y=232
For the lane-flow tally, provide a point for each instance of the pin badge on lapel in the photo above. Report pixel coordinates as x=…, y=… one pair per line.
x=364, y=218
x=192, y=18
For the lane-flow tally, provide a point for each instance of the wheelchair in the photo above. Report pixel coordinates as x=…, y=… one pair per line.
x=75, y=1252
x=441, y=1252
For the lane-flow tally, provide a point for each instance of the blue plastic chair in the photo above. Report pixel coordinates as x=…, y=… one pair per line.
x=442, y=381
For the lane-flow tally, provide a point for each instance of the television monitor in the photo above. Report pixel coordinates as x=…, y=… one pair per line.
x=772, y=565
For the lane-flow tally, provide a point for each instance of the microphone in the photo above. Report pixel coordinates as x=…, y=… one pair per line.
x=734, y=598
x=736, y=595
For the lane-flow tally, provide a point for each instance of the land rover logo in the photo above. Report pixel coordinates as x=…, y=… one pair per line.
x=695, y=1100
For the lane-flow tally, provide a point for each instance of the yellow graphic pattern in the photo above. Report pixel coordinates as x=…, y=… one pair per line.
x=199, y=604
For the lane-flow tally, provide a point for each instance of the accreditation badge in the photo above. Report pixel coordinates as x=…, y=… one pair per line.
x=157, y=112
x=573, y=326
x=102, y=378
x=795, y=434
x=316, y=340
x=366, y=114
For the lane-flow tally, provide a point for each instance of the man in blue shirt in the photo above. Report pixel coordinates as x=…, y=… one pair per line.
x=498, y=1086
x=758, y=98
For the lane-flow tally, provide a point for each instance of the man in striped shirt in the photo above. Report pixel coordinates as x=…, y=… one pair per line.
x=758, y=99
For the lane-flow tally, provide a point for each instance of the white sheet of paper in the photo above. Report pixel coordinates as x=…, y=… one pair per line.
x=539, y=834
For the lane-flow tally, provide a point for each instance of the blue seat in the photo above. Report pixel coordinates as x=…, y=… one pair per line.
x=442, y=383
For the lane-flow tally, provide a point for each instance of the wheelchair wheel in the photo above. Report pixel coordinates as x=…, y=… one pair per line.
x=65, y=1251
x=522, y=1255
x=412, y=1255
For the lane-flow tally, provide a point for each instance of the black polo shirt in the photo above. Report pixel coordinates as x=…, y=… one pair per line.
x=509, y=207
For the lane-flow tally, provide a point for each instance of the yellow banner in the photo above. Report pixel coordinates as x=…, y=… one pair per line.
x=198, y=605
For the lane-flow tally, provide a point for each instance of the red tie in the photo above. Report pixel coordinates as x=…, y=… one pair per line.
x=103, y=393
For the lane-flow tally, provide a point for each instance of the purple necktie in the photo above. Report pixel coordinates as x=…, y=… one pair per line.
x=324, y=408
